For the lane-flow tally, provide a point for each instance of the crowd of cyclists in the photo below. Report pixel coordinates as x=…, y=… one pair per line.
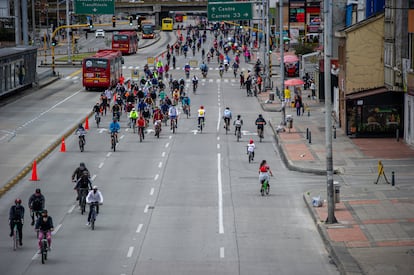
x=151, y=100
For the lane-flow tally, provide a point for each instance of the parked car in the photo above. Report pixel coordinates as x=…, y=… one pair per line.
x=100, y=33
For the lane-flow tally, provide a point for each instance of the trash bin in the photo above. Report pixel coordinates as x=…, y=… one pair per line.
x=337, y=192
x=272, y=96
x=289, y=121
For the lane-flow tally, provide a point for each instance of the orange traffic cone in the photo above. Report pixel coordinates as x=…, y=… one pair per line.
x=63, y=146
x=34, y=172
x=86, y=124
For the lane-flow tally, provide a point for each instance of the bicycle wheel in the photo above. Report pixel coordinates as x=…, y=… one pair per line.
x=134, y=127
x=43, y=250
x=140, y=134
x=238, y=135
x=267, y=188
x=262, y=189
x=83, y=204
x=173, y=126
x=98, y=120
x=260, y=135
x=93, y=218
x=226, y=125
x=15, y=238
x=113, y=143
x=81, y=145
x=250, y=157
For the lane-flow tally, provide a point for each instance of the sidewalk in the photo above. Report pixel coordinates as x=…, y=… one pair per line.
x=375, y=229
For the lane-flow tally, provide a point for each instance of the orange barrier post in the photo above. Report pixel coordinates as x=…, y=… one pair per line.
x=34, y=172
x=86, y=123
x=62, y=145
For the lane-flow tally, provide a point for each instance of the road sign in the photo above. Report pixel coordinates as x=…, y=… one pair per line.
x=150, y=60
x=229, y=11
x=193, y=63
x=94, y=6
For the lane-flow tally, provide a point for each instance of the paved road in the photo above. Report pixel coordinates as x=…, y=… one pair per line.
x=187, y=203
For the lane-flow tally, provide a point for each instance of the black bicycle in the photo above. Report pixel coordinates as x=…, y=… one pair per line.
x=97, y=119
x=81, y=142
x=250, y=156
x=260, y=134
x=44, y=247
x=83, y=192
x=16, y=239
x=141, y=133
x=238, y=133
x=113, y=141
x=94, y=213
x=201, y=124
x=227, y=124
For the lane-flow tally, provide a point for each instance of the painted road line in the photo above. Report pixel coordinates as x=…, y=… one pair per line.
x=163, y=154
x=101, y=164
x=170, y=137
x=160, y=164
x=109, y=154
x=139, y=228
x=54, y=232
x=219, y=119
x=146, y=208
x=74, y=73
x=130, y=251
x=122, y=137
x=220, y=195
x=221, y=252
x=218, y=146
x=156, y=177
x=167, y=144
x=152, y=191
x=71, y=208
x=93, y=177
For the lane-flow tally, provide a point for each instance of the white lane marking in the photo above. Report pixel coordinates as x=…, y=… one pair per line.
x=102, y=130
x=218, y=138
x=220, y=195
x=101, y=165
x=121, y=137
x=71, y=208
x=130, y=251
x=146, y=208
x=152, y=191
x=166, y=145
x=93, y=177
x=219, y=119
x=170, y=137
x=109, y=154
x=160, y=164
x=221, y=252
x=54, y=232
x=47, y=111
x=35, y=255
x=163, y=154
x=156, y=177
x=139, y=228
x=218, y=146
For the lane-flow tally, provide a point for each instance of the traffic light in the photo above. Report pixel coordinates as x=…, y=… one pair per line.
x=113, y=21
x=90, y=24
x=130, y=20
x=54, y=42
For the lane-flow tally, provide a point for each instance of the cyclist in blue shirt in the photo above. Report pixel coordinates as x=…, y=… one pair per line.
x=114, y=127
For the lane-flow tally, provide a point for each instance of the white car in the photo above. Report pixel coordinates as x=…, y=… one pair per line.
x=100, y=33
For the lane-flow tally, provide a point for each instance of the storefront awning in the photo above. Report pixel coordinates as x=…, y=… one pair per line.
x=366, y=93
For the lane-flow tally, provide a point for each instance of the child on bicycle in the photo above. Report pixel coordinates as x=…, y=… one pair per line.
x=264, y=172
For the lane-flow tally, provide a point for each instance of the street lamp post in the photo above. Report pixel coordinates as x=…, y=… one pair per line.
x=282, y=63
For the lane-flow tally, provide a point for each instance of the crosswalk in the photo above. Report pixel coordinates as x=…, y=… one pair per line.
x=182, y=68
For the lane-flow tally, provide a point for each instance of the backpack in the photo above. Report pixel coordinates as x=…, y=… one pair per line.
x=37, y=203
x=18, y=213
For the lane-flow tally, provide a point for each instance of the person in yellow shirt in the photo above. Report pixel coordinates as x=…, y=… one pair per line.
x=287, y=95
x=201, y=116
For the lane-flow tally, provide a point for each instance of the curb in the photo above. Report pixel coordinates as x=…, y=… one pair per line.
x=340, y=255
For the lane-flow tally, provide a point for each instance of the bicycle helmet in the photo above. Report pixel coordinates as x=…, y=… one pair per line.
x=201, y=107
x=133, y=109
x=80, y=125
x=82, y=165
x=238, y=116
x=95, y=187
x=260, y=115
x=44, y=211
x=251, y=141
x=227, y=108
x=85, y=173
x=38, y=191
x=17, y=201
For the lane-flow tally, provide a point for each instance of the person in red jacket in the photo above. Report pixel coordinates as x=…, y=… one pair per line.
x=141, y=124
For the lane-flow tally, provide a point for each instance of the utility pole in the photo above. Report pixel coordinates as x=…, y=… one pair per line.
x=17, y=22
x=68, y=30
x=33, y=22
x=268, y=82
x=25, y=23
x=282, y=63
x=327, y=10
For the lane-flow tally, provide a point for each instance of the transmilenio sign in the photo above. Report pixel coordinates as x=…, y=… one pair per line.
x=94, y=6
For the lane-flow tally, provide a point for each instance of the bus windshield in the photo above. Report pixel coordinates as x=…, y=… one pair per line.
x=96, y=63
x=120, y=37
x=167, y=21
x=147, y=29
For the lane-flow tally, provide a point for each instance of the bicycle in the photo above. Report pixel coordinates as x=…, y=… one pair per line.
x=97, y=119
x=194, y=87
x=201, y=124
x=94, y=206
x=186, y=110
x=157, y=130
x=113, y=141
x=83, y=192
x=250, y=155
x=238, y=133
x=44, y=247
x=173, y=125
x=265, y=188
x=35, y=214
x=227, y=124
x=221, y=73
x=133, y=124
x=260, y=134
x=81, y=142
x=16, y=239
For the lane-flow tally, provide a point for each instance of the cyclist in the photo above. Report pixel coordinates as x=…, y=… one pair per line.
x=44, y=224
x=204, y=69
x=133, y=115
x=242, y=83
x=238, y=123
x=221, y=69
x=186, y=103
x=77, y=174
x=203, y=53
x=36, y=203
x=172, y=114
x=260, y=123
x=201, y=116
x=97, y=108
x=16, y=217
x=116, y=111
x=264, y=172
x=114, y=128
x=173, y=61
x=187, y=69
x=235, y=68
x=195, y=82
x=227, y=116
x=81, y=132
x=94, y=196
x=157, y=115
x=251, y=147
x=141, y=124
x=83, y=183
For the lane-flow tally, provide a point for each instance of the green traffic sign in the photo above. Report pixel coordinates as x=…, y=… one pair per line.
x=229, y=11
x=94, y=6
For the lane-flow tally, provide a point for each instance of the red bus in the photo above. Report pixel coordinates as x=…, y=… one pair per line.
x=102, y=70
x=125, y=41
